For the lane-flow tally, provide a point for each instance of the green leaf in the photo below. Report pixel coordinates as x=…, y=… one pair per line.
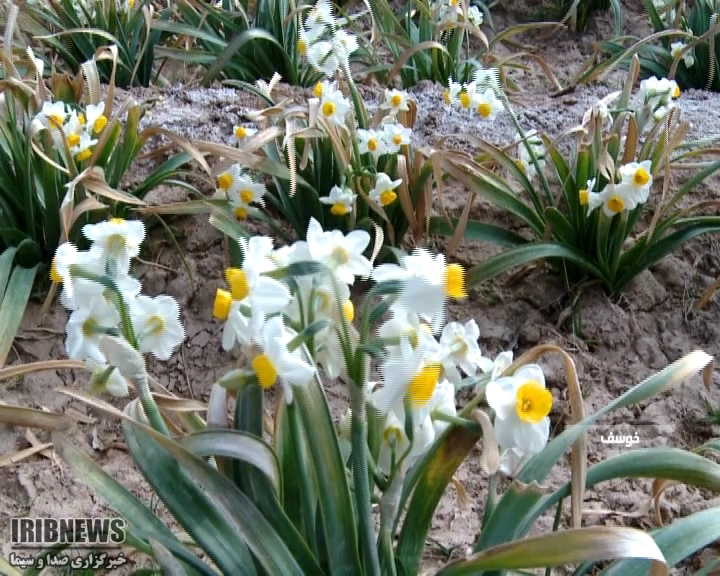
x=562, y=548
x=332, y=486
x=251, y=36
x=667, y=463
x=214, y=512
x=477, y=231
x=238, y=445
x=427, y=483
x=528, y=253
x=682, y=538
x=140, y=518
x=16, y=288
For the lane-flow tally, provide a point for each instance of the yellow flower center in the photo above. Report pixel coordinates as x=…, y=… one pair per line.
x=584, y=196
x=446, y=96
x=221, y=306
x=533, y=402
x=676, y=92
x=318, y=90
x=372, y=144
x=484, y=109
x=264, y=370
x=387, y=197
x=56, y=120
x=465, y=99
x=73, y=140
x=224, y=181
x=156, y=325
x=422, y=385
x=349, y=310
x=240, y=132
x=100, y=124
x=455, y=281
x=397, y=139
x=392, y=435
x=238, y=281
x=116, y=220
x=54, y=275
x=84, y=155
x=302, y=47
x=616, y=204
x=453, y=3
x=339, y=209
x=89, y=327
x=641, y=177
x=396, y=100
x=246, y=196
x=241, y=213
x=340, y=256
x=131, y=4
x=328, y=108
x=81, y=119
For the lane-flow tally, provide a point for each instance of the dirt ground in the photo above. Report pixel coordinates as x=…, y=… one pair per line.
x=621, y=341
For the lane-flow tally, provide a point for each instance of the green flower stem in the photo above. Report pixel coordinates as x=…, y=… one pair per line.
x=148, y=403
x=361, y=478
x=388, y=511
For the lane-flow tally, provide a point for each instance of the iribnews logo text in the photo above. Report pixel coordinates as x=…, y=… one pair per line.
x=41, y=532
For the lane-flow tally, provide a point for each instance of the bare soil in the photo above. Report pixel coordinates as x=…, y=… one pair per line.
x=620, y=342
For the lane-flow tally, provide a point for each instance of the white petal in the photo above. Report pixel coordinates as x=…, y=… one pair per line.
x=500, y=395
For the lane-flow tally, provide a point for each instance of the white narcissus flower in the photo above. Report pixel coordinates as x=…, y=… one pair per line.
x=521, y=403
x=53, y=114
x=403, y=323
x=340, y=200
x=614, y=199
x=395, y=101
x=384, y=191
x=688, y=59
x=157, y=325
x=487, y=105
x=395, y=442
x=342, y=254
x=334, y=106
x=638, y=177
x=246, y=191
x=321, y=15
x=240, y=134
x=409, y=374
x=586, y=193
x=322, y=57
x=442, y=402
x=452, y=92
x=276, y=362
x=344, y=45
x=229, y=180
x=431, y=284
x=475, y=17
x=85, y=327
x=459, y=348
x=74, y=131
x=395, y=135
x=239, y=328
x=115, y=240
x=370, y=141
x=83, y=150
x=105, y=377
x=95, y=119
